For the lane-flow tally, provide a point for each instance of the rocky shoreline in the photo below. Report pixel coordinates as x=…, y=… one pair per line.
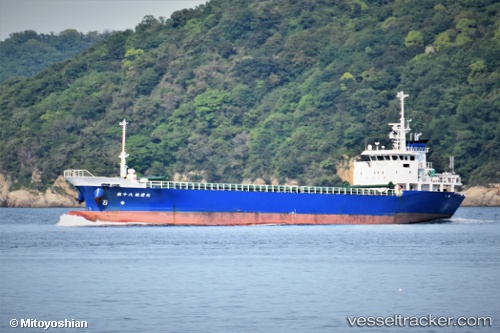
x=62, y=194
x=481, y=196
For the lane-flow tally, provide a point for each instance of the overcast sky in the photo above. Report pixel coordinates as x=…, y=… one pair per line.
x=46, y=16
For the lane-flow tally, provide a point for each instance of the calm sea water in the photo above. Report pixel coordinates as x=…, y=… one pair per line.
x=247, y=279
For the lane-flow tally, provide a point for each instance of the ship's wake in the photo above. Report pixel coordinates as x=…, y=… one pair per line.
x=67, y=220
x=468, y=220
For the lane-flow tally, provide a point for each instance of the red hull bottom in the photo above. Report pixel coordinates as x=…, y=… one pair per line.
x=235, y=219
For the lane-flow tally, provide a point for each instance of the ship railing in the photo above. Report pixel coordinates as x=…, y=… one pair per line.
x=418, y=149
x=445, y=178
x=77, y=173
x=268, y=188
x=450, y=179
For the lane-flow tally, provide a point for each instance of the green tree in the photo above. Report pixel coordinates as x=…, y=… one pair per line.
x=414, y=38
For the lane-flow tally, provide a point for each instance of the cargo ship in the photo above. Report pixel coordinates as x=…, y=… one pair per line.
x=391, y=186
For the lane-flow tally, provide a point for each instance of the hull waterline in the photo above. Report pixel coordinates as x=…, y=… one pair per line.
x=245, y=219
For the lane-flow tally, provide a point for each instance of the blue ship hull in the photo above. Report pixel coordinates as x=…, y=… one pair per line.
x=220, y=207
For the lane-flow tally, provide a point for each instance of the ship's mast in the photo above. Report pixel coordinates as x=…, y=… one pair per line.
x=402, y=133
x=123, y=154
x=399, y=130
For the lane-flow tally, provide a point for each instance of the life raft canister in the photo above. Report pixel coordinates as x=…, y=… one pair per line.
x=98, y=194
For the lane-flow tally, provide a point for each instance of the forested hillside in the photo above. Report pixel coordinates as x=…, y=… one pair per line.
x=24, y=54
x=240, y=89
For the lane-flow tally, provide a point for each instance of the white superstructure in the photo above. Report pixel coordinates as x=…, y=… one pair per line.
x=405, y=163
